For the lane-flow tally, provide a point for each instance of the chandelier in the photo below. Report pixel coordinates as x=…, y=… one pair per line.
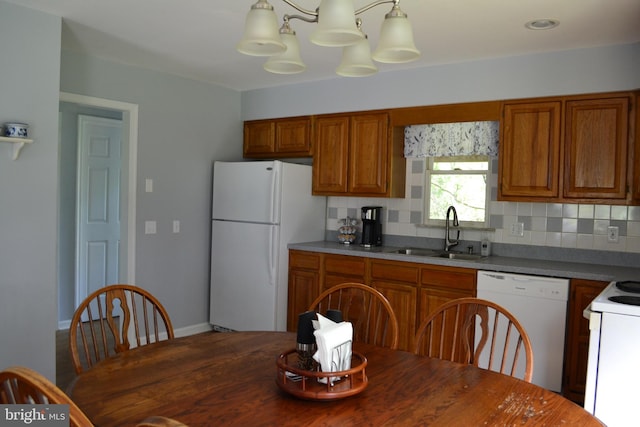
x=338, y=26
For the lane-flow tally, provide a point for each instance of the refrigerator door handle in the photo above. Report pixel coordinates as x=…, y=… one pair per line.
x=274, y=199
x=273, y=248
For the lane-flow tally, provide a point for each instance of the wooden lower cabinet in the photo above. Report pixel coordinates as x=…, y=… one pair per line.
x=339, y=269
x=440, y=284
x=416, y=290
x=581, y=293
x=413, y=289
x=398, y=281
x=304, y=284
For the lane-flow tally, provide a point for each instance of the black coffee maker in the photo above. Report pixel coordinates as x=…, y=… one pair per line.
x=371, y=226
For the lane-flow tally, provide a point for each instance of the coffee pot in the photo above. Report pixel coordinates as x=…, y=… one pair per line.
x=371, y=226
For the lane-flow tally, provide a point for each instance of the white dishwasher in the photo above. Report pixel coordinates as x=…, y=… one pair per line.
x=540, y=304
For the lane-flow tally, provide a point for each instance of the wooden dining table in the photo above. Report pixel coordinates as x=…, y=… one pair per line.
x=217, y=379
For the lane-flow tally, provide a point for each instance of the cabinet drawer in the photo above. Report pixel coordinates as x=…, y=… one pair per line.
x=305, y=260
x=449, y=277
x=395, y=271
x=346, y=265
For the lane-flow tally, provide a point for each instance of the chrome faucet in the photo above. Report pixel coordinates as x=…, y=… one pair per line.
x=448, y=242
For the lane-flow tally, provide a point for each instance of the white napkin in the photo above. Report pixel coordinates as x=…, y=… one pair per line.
x=334, y=345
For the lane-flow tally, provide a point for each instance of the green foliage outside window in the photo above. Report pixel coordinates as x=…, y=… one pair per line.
x=458, y=181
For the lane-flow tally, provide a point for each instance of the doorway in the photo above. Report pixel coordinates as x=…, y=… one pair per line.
x=97, y=204
x=69, y=212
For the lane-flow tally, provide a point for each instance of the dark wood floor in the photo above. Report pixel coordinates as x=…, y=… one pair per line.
x=64, y=368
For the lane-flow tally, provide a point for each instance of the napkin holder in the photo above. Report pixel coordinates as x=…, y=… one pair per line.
x=317, y=385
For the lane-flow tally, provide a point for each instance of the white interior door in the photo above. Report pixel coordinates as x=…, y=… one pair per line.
x=98, y=202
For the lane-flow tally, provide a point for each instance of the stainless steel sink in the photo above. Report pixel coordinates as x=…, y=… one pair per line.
x=466, y=257
x=414, y=251
x=435, y=254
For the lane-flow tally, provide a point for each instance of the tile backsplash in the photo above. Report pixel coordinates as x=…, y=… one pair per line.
x=575, y=226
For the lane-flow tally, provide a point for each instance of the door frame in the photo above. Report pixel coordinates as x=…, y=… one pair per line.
x=130, y=139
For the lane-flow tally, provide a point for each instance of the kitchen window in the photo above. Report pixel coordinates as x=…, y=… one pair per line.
x=459, y=181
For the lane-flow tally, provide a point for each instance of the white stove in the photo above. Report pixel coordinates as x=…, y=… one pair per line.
x=626, y=299
x=614, y=351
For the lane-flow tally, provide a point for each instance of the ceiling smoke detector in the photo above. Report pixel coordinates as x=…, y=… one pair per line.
x=542, y=24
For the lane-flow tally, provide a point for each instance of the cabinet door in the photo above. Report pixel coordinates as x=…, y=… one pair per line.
x=596, y=141
x=582, y=292
x=398, y=281
x=432, y=298
x=368, y=154
x=259, y=137
x=429, y=300
x=342, y=269
x=530, y=150
x=331, y=155
x=293, y=137
x=304, y=284
x=403, y=299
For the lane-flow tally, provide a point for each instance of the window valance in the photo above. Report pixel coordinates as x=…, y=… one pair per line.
x=451, y=139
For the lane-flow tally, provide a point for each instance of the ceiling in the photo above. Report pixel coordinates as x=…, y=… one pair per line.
x=197, y=38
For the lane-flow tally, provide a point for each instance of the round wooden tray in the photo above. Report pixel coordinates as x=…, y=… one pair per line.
x=304, y=384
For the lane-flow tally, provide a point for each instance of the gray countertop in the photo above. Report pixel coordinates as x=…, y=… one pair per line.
x=573, y=270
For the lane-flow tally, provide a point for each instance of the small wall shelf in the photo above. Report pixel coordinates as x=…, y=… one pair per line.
x=18, y=143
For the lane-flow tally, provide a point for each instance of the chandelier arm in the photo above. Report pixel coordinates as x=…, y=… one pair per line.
x=303, y=10
x=372, y=5
x=286, y=18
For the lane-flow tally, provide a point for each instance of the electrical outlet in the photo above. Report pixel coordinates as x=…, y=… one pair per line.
x=612, y=234
x=176, y=226
x=517, y=229
x=149, y=227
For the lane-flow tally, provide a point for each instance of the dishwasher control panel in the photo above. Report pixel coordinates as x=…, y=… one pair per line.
x=518, y=284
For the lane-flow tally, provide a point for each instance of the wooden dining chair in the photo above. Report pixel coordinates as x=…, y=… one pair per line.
x=114, y=319
x=371, y=314
x=478, y=332
x=21, y=385
x=158, y=421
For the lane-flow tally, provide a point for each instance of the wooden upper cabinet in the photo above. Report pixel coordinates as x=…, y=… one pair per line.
x=530, y=150
x=368, y=154
x=573, y=149
x=293, y=136
x=331, y=154
x=259, y=137
x=288, y=137
x=357, y=155
x=596, y=145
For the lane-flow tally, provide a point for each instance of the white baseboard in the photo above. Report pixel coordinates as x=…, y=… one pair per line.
x=64, y=324
x=181, y=332
x=193, y=329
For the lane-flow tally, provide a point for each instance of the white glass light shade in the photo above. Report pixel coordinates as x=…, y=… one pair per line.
x=356, y=60
x=396, y=40
x=336, y=24
x=289, y=61
x=261, y=36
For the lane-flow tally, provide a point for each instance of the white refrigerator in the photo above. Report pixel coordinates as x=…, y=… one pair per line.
x=258, y=208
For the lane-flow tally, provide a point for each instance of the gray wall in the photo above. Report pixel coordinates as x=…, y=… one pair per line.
x=600, y=69
x=29, y=84
x=183, y=127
